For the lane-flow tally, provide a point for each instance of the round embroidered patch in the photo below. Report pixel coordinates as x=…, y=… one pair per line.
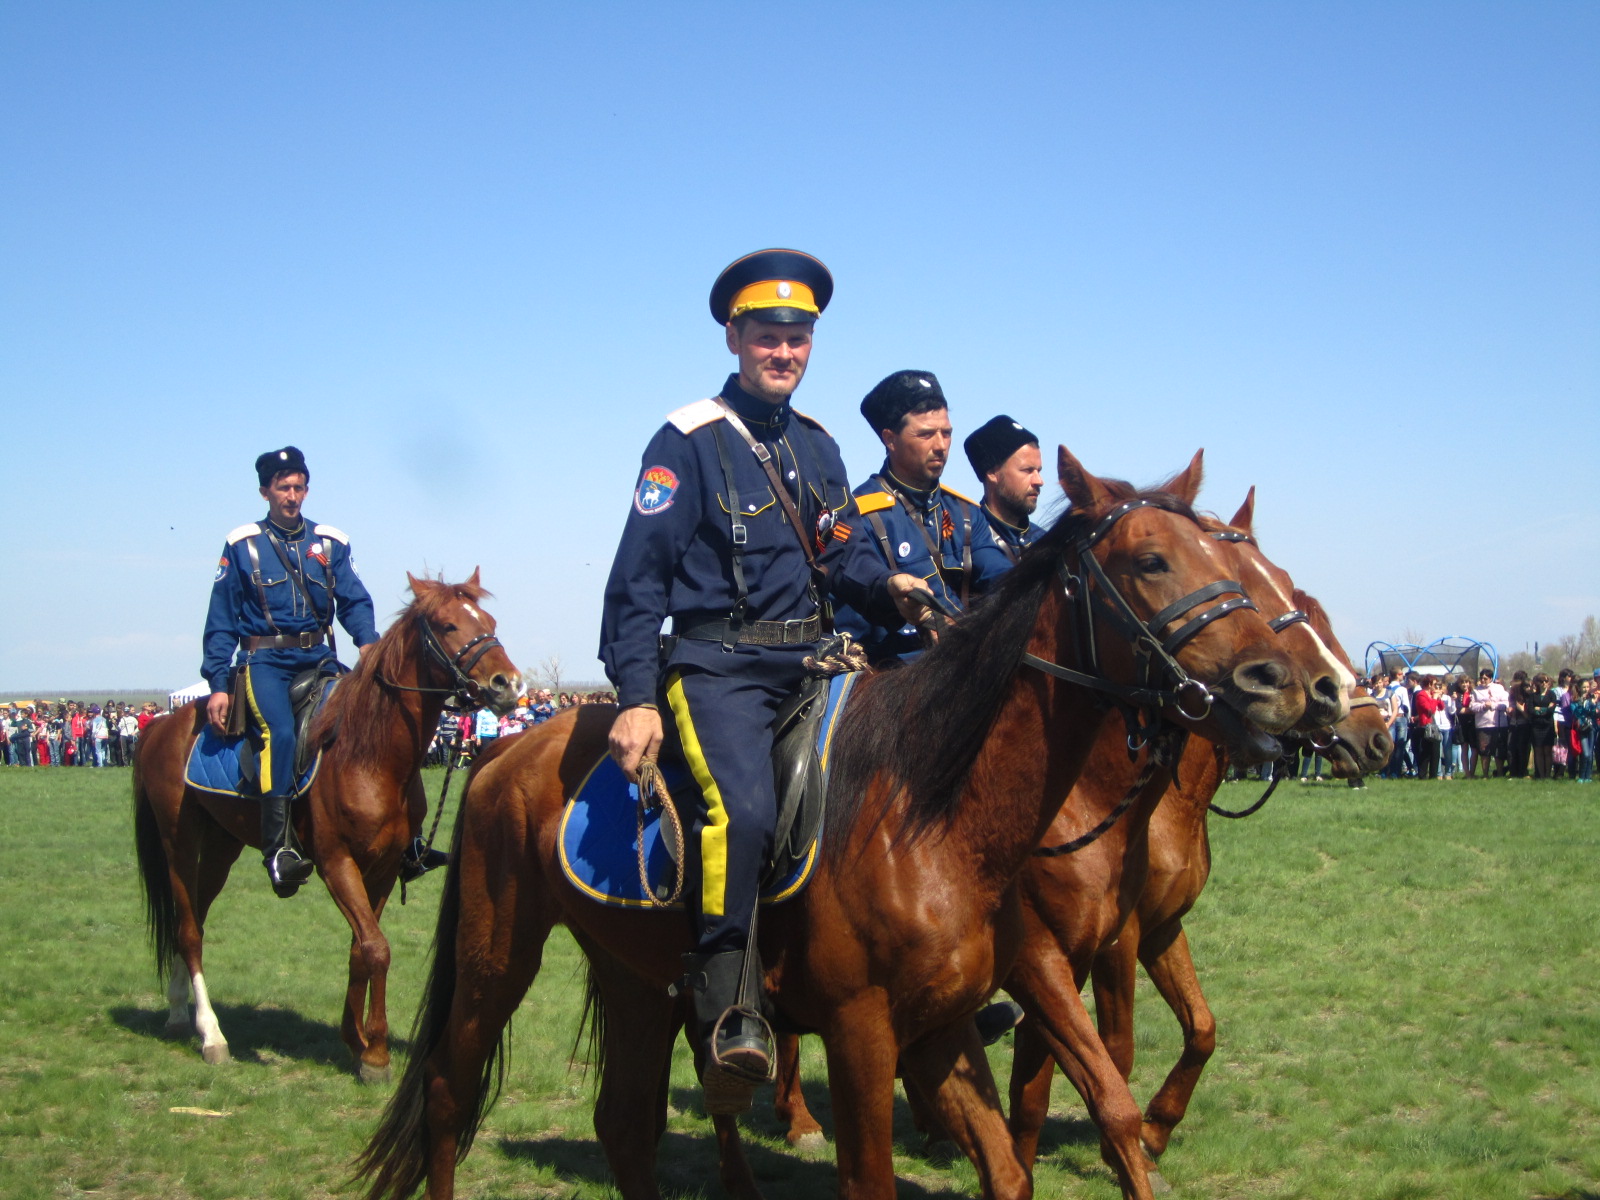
x=222, y=569
x=904, y=549
x=657, y=487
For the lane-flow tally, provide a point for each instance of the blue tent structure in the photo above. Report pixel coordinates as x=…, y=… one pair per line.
x=1453, y=655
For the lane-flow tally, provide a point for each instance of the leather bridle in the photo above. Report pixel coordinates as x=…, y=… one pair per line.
x=465, y=689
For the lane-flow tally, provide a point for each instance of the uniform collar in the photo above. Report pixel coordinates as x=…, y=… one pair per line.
x=995, y=519
x=766, y=421
x=922, y=499
x=268, y=525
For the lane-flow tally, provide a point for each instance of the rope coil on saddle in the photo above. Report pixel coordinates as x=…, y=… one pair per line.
x=653, y=793
x=849, y=658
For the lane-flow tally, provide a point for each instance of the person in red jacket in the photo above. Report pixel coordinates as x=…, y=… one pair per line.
x=1426, y=736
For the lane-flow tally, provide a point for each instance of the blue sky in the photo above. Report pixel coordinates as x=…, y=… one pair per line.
x=459, y=253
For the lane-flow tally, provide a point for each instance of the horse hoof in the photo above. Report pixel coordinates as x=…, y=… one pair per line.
x=178, y=1031
x=371, y=1075
x=1158, y=1185
x=814, y=1142
x=216, y=1055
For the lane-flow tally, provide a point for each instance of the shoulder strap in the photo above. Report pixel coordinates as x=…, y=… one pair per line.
x=875, y=519
x=255, y=577
x=764, y=457
x=730, y=632
x=299, y=582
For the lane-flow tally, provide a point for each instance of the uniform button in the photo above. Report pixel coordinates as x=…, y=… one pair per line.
x=752, y=508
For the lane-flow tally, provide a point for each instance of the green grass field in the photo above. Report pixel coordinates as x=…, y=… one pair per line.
x=1405, y=981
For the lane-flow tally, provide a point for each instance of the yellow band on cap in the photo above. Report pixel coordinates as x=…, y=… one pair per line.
x=774, y=293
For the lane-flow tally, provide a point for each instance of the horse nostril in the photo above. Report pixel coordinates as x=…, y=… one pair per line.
x=499, y=683
x=1267, y=675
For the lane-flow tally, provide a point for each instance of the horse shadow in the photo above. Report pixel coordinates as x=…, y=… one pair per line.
x=260, y=1033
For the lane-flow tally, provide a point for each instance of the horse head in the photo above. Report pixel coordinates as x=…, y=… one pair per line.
x=460, y=651
x=1330, y=681
x=1150, y=585
x=1359, y=743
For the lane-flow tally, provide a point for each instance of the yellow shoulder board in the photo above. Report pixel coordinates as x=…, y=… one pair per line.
x=337, y=535
x=244, y=531
x=874, y=502
x=691, y=416
x=810, y=420
x=957, y=494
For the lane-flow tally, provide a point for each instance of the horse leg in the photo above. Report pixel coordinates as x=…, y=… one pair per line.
x=206, y=853
x=949, y=1076
x=1032, y=1073
x=1114, y=980
x=861, y=1064
x=365, y=1032
x=637, y=1023
x=1042, y=982
x=789, y=1102
x=1172, y=971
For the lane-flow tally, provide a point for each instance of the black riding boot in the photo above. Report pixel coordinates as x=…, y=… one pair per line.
x=286, y=866
x=733, y=1041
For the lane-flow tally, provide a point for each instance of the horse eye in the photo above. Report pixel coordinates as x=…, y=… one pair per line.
x=447, y=628
x=1151, y=564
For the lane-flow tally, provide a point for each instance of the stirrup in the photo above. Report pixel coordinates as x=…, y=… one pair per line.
x=728, y=1085
x=420, y=858
x=287, y=876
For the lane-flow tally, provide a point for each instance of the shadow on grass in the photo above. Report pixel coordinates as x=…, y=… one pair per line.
x=256, y=1032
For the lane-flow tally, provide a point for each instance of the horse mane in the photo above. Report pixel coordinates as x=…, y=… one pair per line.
x=919, y=727
x=1312, y=607
x=359, y=713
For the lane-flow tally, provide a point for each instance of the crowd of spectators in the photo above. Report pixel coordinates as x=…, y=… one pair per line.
x=71, y=734
x=1449, y=726
x=461, y=735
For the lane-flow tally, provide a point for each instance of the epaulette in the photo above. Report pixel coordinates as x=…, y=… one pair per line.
x=874, y=502
x=812, y=421
x=244, y=531
x=957, y=494
x=337, y=535
x=691, y=416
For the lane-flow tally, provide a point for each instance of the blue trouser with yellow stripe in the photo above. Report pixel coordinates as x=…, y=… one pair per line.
x=721, y=727
x=268, y=677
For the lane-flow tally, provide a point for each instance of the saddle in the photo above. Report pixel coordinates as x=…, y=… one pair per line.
x=229, y=765
x=599, y=845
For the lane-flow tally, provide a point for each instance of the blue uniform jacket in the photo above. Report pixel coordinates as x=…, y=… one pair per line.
x=675, y=557
x=951, y=521
x=1009, y=538
x=322, y=553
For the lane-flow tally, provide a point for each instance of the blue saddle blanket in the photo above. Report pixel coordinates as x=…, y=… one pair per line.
x=214, y=760
x=600, y=832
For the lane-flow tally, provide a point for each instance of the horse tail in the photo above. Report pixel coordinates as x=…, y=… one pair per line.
x=160, y=909
x=592, y=1020
x=396, y=1159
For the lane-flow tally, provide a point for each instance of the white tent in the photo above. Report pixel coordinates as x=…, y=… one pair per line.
x=194, y=691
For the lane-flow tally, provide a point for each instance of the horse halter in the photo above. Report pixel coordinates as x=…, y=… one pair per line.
x=466, y=688
x=1154, y=655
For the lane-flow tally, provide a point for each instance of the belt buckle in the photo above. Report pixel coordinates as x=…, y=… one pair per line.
x=305, y=639
x=794, y=630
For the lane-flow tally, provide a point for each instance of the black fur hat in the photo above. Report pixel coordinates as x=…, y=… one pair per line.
x=886, y=405
x=287, y=461
x=989, y=445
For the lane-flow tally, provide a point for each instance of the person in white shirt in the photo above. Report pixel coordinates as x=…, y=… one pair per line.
x=1489, y=701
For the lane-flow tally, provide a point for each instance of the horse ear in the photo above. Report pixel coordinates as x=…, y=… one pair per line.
x=1087, y=492
x=1185, y=485
x=1244, y=519
x=415, y=584
x=473, y=582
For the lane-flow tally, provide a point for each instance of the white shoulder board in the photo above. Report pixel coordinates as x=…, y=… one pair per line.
x=691, y=416
x=337, y=535
x=244, y=531
x=810, y=420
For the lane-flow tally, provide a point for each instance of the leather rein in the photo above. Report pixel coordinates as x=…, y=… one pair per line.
x=465, y=688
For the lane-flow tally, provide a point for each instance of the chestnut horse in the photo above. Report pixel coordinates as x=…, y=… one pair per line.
x=1075, y=903
x=363, y=808
x=945, y=776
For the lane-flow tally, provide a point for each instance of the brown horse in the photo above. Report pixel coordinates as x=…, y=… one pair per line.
x=364, y=806
x=1098, y=931
x=1074, y=904
x=945, y=776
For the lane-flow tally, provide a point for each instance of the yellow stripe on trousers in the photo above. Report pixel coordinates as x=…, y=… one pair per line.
x=264, y=766
x=714, y=837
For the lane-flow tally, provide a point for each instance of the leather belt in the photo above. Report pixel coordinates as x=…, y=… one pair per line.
x=758, y=633
x=285, y=641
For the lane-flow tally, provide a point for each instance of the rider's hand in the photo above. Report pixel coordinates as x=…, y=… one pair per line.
x=901, y=586
x=635, y=735
x=217, y=710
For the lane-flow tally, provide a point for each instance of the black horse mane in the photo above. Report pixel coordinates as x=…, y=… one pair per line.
x=920, y=726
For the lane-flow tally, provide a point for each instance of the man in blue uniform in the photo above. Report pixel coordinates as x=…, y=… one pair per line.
x=1005, y=456
x=915, y=524
x=277, y=589
x=735, y=533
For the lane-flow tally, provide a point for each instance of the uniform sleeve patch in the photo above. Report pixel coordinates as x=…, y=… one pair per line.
x=222, y=569
x=658, y=487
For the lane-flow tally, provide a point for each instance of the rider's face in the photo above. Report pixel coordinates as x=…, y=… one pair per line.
x=284, y=496
x=772, y=356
